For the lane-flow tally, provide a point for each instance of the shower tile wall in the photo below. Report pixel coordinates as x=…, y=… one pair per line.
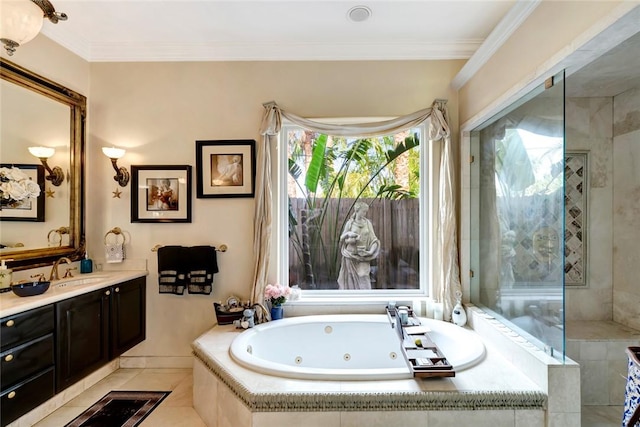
x=626, y=208
x=589, y=123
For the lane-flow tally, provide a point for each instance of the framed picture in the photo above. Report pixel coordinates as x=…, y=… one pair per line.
x=161, y=193
x=31, y=209
x=225, y=168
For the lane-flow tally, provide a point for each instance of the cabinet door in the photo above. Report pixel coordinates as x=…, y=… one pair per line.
x=128, y=315
x=22, y=327
x=82, y=336
x=25, y=360
x=23, y=397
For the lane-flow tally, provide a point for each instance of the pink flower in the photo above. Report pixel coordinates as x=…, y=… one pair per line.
x=276, y=294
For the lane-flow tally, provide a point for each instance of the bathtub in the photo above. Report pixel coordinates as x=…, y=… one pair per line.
x=344, y=347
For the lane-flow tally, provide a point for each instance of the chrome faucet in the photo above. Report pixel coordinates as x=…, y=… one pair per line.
x=54, y=269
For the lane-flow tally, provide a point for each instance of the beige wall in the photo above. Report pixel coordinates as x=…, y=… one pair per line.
x=554, y=30
x=158, y=110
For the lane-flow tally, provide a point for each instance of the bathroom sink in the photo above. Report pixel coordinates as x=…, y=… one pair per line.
x=79, y=281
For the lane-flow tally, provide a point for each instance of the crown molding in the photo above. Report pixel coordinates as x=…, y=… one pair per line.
x=296, y=51
x=69, y=41
x=511, y=22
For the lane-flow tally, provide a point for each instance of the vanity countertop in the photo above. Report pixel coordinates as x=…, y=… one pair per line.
x=11, y=304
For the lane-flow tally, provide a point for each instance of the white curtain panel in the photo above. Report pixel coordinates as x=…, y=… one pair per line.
x=448, y=283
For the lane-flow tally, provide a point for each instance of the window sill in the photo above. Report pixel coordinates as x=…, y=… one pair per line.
x=367, y=304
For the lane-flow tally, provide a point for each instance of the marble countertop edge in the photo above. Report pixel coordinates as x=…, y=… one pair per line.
x=11, y=304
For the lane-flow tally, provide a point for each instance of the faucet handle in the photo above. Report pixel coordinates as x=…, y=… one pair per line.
x=67, y=272
x=39, y=276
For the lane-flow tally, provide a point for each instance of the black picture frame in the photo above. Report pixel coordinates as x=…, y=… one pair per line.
x=32, y=209
x=161, y=193
x=225, y=168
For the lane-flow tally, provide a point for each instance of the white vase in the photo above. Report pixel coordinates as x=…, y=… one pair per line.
x=458, y=315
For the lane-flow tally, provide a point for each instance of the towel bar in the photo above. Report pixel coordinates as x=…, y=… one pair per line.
x=221, y=248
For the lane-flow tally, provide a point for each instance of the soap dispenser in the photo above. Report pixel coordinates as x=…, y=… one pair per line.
x=86, y=265
x=5, y=276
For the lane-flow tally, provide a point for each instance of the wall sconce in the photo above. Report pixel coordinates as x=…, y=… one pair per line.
x=56, y=176
x=122, y=175
x=21, y=21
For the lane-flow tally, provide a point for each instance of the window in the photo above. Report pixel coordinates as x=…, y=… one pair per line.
x=353, y=212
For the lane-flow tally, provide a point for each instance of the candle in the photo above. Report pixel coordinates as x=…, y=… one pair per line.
x=429, y=310
x=438, y=311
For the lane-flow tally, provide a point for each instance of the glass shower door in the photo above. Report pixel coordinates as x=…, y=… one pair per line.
x=518, y=216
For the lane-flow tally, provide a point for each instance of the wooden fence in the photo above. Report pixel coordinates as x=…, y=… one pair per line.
x=396, y=224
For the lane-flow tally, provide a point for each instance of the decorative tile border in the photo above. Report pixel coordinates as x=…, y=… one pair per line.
x=257, y=401
x=576, y=210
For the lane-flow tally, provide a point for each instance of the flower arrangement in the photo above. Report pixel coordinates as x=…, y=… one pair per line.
x=16, y=186
x=277, y=294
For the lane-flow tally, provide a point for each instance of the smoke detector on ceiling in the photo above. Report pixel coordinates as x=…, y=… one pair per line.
x=359, y=13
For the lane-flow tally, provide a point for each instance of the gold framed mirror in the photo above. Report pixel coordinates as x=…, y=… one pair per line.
x=39, y=112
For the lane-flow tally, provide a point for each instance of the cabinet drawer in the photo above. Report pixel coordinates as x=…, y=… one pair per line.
x=25, y=360
x=22, y=398
x=23, y=327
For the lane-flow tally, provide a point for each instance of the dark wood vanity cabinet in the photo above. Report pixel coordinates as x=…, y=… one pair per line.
x=27, y=362
x=97, y=327
x=82, y=336
x=47, y=349
x=128, y=315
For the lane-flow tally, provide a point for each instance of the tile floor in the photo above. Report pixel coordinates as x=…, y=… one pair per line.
x=602, y=416
x=177, y=409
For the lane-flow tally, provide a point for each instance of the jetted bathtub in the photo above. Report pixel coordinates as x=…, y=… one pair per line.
x=344, y=347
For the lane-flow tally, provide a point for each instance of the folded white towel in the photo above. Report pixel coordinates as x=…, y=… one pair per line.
x=114, y=252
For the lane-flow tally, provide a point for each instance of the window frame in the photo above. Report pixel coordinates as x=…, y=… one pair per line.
x=426, y=231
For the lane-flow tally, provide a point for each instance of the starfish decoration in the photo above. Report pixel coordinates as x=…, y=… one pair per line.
x=50, y=193
x=117, y=193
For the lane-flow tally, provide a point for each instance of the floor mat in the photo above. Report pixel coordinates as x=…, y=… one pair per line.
x=120, y=409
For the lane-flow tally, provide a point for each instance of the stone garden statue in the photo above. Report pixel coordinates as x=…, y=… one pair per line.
x=358, y=246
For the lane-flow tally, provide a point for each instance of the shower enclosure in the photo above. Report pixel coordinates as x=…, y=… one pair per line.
x=518, y=216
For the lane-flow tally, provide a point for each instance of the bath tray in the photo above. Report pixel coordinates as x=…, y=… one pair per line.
x=424, y=360
x=427, y=361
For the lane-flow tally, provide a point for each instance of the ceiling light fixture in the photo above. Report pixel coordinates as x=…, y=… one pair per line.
x=359, y=13
x=21, y=21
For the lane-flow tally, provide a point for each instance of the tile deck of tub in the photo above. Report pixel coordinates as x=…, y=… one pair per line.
x=493, y=393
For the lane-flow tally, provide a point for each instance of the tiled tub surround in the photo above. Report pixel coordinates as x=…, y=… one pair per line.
x=493, y=393
x=599, y=347
x=559, y=379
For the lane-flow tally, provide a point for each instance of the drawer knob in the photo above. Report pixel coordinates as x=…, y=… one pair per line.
x=117, y=289
x=8, y=358
x=10, y=323
x=11, y=395
x=107, y=293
